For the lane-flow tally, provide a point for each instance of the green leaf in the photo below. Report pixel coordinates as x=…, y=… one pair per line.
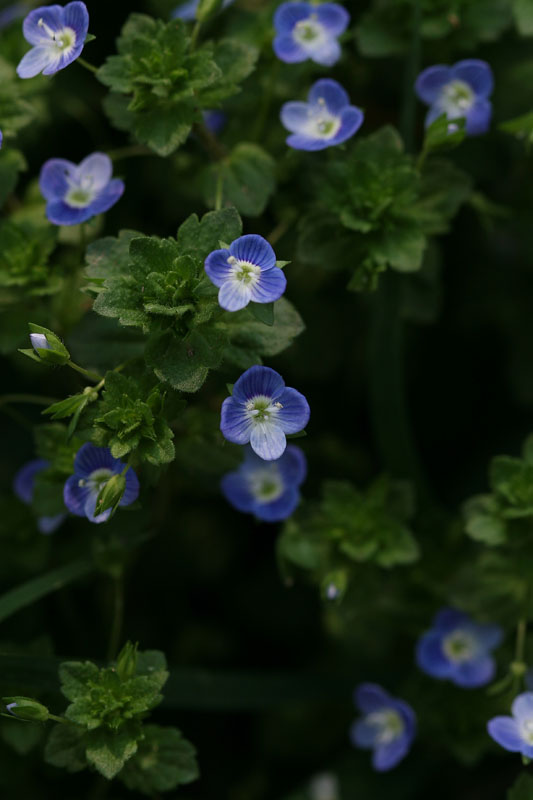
x=66, y=748
x=236, y=60
x=521, y=127
x=76, y=677
x=443, y=134
x=523, y=16
x=522, y=788
x=198, y=238
x=163, y=761
x=483, y=522
x=247, y=178
x=28, y=593
x=108, y=751
x=185, y=363
x=11, y=163
x=264, y=312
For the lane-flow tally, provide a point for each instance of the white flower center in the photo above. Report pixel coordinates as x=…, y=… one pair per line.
x=388, y=723
x=63, y=39
x=244, y=271
x=321, y=124
x=266, y=483
x=97, y=479
x=459, y=646
x=261, y=408
x=80, y=194
x=456, y=98
x=309, y=31
x=527, y=730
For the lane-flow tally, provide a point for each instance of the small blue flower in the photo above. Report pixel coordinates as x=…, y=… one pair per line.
x=75, y=193
x=458, y=649
x=388, y=726
x=309, y=31
x=261, y=411
x=246, y=271
x=24, y=485
x=515, y=733
x=57, y=34
x=214, y=120
x=458, y=91
x=93, y=467
x=269, y=490
x=187, y=11
x=325, y=120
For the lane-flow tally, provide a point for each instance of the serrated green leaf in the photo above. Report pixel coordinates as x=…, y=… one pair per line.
x=108, y=751
x=66, y=748
x=163, y=761
x=247, y=176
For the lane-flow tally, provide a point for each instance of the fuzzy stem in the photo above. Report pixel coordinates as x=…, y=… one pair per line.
x=92, y=376
x=90, y=67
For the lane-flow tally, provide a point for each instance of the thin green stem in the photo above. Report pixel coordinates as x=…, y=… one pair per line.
x=58, y=719
x=412, y=68
x=219, y=196
x=518, y=667
x=216, y=151
x=195, y=33
x=118, y=617
x=130, y=152
x=266, y=102
x=92, y=376
x=90, y=67
x=32, y=399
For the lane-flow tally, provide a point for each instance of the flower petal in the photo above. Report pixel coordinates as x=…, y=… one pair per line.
x=255, y=249
x=294, y=415
x=236, y=491
x=504, y=731
x=35, y=61
x=477, y=74
x=270, y=286
x=53, y=181
x=386, y=756
x=472, y=674
x=489, y=636
x=333, y=17
x=186, y=11
x=234, y=422
x=351, y=120
x=363, y=734
x=295, y=116
x=301, y=142
x=430, y=656
x=289, y=50
x=48, y=525
x=131, y=492
x=335, y=97
x=60, y=213
x=268, y=440
x=217, y=267
x=107, y=197
x=234, y=295
x=76, y=16
x=50, y=15
x=430, y=82
x=326, y=52
x=90, y=507
x=279, y=509
x=447, y=619
x=89, y=457
x=293, y=466
x=256, y=381
x=98, y=167
x=289, y=14
x=522, y=707
x=478, y=118
x=24, y=481
x=370, y=697
x=75, y=496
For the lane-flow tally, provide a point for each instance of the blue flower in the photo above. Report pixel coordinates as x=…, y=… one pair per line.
x=325, y=120
x=214, y=120
x=261, y=411
x=308, y=30
x=187, y=11
x=515, y=733
x=459, y=91
x=246, y=271
x=57, y=34
x=269, y=490
x=75, y=193
x=458, y=649
x=24, y=485
x=93, y=467
x=39, y=341
x=388, y=726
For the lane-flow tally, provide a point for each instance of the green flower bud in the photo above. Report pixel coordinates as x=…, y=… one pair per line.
x=47, y=347
x=110, y=494
x=26, y=709
x=127, y=661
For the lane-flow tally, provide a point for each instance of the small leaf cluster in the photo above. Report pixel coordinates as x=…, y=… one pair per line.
x=104, y=727
x=351, y=527
x=506, y=513
x=128, y=419
x=378, y=209
x=160, y=83
x=20, y=103
x=160, y=286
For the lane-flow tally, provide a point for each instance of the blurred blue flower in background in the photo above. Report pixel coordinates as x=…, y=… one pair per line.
x=24, y=486
x=388, y=726
x=515, y=733
x=309, y=31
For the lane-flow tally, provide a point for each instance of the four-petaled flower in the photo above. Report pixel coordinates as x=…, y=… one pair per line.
x=308, y=30
x=75, y=193
x=261, y=411
x=57, y=34
x=93, y=467
x=269, y=490
x=458, y=649
x=24, y=486
x=246, y=271
x=458, y=91
x=388, y=726
x=325, y=120
x=515, y=733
